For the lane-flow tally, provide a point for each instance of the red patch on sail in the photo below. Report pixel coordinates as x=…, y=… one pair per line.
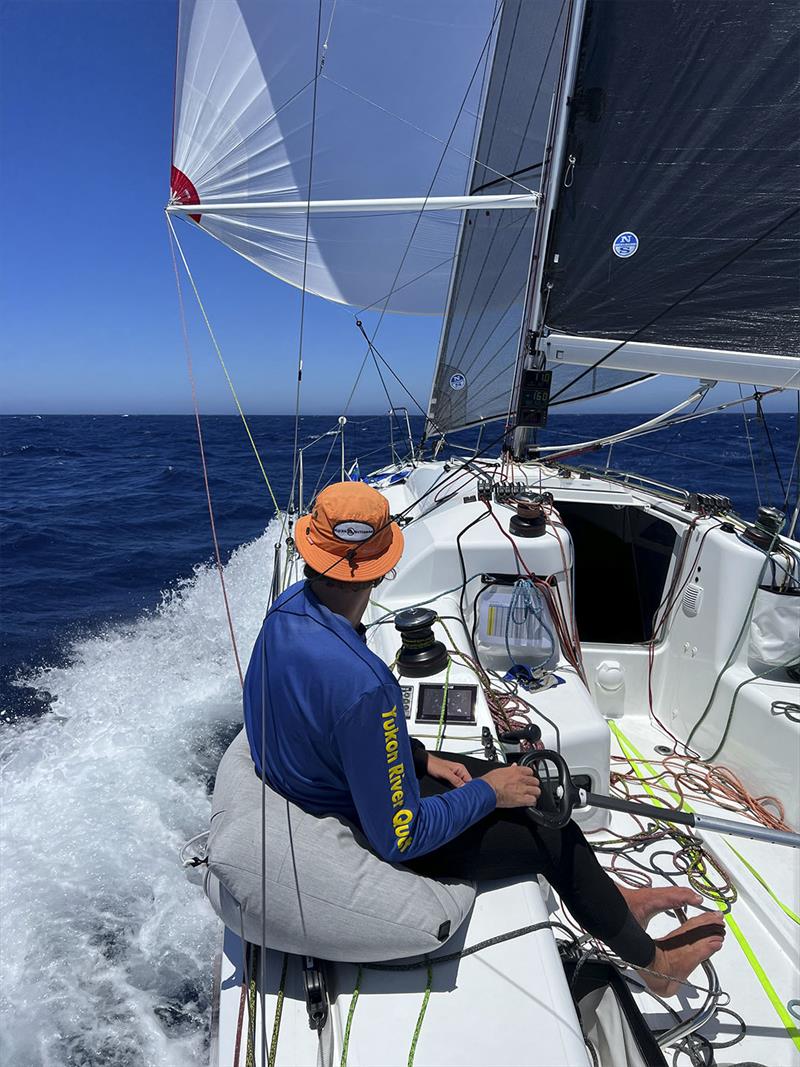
x=183, y=190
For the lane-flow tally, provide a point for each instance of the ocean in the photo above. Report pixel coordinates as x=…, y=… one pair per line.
x=119, y=693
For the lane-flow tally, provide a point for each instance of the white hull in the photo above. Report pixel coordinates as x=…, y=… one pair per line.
x=510, y=1003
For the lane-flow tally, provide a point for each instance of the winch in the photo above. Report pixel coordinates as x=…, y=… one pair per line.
x=420, y=654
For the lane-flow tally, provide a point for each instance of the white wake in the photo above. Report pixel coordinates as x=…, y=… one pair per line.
x=106, y=949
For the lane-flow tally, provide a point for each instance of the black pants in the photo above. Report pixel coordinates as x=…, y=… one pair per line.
x=507, y=844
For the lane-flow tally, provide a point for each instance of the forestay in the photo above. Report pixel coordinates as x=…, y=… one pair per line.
x=392, y=114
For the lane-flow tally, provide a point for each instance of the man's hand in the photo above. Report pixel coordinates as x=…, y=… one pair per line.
x=515, y=786
x=445, y=771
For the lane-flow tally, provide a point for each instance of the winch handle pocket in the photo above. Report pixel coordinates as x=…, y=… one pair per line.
x=559, y=794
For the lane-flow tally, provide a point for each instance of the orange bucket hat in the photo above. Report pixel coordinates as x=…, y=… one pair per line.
x=349, y=534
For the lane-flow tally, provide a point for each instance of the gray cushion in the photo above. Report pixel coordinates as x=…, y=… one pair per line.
x=327, y=894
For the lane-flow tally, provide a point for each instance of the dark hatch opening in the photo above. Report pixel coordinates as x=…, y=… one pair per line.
x=622, y=555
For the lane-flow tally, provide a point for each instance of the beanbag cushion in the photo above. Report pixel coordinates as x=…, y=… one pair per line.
x=327, y=894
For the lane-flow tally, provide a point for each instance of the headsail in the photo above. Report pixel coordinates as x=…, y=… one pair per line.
x=393, y=81
x=481, y=336
x=681, y=206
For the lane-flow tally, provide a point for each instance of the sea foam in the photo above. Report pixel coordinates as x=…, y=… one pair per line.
x=106, y=949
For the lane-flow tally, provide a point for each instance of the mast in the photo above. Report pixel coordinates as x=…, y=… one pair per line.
x=550, y=189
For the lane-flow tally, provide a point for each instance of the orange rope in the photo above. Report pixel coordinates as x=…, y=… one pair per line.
x=220, y=569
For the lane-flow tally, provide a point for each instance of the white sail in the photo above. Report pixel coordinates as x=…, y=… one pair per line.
x=397, y=84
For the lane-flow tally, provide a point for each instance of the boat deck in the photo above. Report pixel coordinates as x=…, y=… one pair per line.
x=758, y=964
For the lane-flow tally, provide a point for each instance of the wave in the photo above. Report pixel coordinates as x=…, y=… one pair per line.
x=107, y=948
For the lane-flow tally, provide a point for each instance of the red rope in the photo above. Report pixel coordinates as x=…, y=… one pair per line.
x=220, y=569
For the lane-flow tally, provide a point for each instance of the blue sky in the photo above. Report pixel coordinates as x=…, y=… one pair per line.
x=87, y=292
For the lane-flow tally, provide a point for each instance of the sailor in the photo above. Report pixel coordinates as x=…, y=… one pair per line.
x=325, y=724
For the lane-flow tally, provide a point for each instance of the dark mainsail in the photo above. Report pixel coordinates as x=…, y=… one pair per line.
x=686, y=143
x=481, y=336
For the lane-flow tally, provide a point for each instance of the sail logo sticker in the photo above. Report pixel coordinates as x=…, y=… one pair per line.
x=457, y=381
x=625, y=245
x=353, y=531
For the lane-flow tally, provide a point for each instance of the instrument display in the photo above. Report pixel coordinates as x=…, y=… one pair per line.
x=460, y=708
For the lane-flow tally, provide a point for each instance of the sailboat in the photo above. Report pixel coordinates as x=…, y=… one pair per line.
x=592, y=193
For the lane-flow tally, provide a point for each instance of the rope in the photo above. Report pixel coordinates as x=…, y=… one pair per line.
x=217, y=349
x=195, y=405
x=350, y=1014
x=252, y=992
x=420, y=1018
x=443, y=711
x=633, y=756
x=490, y=942
x=276, y=1025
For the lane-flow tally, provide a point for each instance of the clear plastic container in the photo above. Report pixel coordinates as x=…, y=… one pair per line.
x=514, y=626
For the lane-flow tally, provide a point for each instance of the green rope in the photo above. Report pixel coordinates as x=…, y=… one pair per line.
x=276, y=1026
x=420, y=1017
x=250, y=1057
x=443, y=711
x=350, y=1014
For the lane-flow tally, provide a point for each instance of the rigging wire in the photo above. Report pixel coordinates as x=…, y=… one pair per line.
x=794, y=468
x=763, y=420
x=685, y=296
x=522, y=228
x=501, y=177
x=196, y=406
x=228, y=378
x=317, y=60
x=750, y=448
x=429, y=191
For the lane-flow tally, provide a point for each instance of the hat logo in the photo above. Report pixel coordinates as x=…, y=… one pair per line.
x=353, y=531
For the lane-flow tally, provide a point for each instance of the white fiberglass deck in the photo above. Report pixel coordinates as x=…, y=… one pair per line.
x=510, y=1004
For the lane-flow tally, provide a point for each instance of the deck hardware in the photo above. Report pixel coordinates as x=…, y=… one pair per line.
x=561, y=794
x=316, y=992
x=420, y=654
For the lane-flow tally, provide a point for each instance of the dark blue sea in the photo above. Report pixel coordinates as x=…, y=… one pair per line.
x=102, y=514
x=119, y=692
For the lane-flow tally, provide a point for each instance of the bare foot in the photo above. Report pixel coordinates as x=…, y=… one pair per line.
x=645, y=903
x=678, y=954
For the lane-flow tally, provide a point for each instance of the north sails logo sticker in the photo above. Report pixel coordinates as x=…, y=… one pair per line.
x=625, y=245
x=457, y=381
x=353, y=531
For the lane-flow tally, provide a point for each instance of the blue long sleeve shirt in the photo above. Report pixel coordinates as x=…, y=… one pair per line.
x=326, y=714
